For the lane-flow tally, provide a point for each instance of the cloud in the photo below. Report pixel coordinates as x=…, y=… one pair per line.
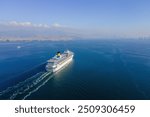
x=30, y=24
x=25, y=24
x=57, y=25
x=20, y=23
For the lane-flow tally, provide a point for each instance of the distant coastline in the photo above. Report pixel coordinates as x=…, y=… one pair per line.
x=30, y=40
x=66, y=39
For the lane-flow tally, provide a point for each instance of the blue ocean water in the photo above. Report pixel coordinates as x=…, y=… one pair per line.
x=101, y=69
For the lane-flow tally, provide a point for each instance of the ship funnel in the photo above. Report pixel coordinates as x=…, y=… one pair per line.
x=58, y=54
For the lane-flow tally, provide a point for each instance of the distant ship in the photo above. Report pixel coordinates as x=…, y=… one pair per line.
x=59, y=61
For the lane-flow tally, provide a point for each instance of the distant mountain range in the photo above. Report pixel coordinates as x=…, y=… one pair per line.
x=27, y=31
x=14, y=31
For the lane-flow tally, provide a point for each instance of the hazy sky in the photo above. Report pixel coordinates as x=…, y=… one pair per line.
x=129, y=17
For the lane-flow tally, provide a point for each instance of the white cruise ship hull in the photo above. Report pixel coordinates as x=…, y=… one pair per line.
x=59, y=67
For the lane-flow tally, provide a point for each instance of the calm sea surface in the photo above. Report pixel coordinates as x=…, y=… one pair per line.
x=101, y=69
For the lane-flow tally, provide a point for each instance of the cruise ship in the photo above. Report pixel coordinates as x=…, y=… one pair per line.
x=59, y=61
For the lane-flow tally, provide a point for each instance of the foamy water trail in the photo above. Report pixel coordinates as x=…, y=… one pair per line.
x=38, y=87
x=23, y=89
